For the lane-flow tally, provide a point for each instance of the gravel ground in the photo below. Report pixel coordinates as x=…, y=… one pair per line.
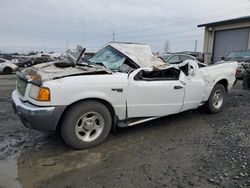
x=191, y=149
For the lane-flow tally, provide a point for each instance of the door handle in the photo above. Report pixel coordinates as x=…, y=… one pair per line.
x=178, y=87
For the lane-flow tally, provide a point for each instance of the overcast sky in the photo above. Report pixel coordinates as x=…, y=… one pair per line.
x=50, y=25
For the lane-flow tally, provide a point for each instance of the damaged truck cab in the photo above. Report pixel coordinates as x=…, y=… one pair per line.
x=122, y=85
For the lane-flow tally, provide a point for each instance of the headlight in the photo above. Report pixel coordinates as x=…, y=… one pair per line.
x=34, y=91
x=39, y=93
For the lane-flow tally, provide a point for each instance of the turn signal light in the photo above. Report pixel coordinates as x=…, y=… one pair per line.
x=44, y=94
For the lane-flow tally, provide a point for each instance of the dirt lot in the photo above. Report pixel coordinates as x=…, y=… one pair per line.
x=192, y=149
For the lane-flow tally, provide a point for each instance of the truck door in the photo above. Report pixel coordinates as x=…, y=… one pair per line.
x=154, y=93
x=195, y=86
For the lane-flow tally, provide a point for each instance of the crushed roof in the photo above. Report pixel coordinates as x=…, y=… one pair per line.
x=141, y=54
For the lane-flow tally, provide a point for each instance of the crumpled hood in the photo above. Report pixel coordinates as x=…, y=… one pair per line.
x=50, y=71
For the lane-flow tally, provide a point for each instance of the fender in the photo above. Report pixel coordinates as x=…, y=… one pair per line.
x=120, y=109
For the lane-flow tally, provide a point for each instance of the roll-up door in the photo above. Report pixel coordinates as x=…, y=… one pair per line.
x=227, y=41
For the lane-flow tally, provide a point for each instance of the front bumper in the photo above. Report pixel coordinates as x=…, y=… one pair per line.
x=36, y=117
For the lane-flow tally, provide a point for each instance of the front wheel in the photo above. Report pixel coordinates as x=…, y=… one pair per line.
x=216, y=99
x=86, y=124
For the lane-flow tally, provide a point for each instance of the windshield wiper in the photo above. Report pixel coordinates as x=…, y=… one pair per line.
x=64, y=63
x=84, y=64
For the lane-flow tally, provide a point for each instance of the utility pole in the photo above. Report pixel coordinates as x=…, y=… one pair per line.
x=67, y=45
x=113, y=35
x=83, y=32
x=166, y=46
x=195, y=47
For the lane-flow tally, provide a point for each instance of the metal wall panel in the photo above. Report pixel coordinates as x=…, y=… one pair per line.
x=227, y=41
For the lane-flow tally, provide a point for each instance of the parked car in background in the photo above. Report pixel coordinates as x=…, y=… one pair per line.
x=176, y=58
x=243, y=59
x=124, y=84
x=7, y=67
x=6, y=56
x=33, y=61
x=179, y=58
x=42, y=59
x=25, y=62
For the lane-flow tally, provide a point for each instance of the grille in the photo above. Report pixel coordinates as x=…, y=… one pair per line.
x=21, y=86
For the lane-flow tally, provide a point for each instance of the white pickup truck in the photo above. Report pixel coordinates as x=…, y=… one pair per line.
x=122, y=85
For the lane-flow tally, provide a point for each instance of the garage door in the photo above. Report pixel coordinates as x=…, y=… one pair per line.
x=230, y=40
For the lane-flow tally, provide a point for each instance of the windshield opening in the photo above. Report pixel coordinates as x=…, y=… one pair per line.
x=109, y=57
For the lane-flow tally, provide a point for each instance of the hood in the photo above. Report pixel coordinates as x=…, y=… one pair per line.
x=59, y=69
x=68, y=66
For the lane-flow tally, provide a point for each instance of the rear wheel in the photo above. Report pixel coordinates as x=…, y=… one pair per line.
x=216, y=99
x=86, y=124
x=7, y=70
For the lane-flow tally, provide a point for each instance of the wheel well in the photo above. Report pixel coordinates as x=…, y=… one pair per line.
x=104, y=102
x=223, y=82
x=7, y=68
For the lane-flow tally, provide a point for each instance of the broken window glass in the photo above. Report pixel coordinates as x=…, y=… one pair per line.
x=109, y=57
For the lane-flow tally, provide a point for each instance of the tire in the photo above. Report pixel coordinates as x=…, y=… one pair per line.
x=86, y=124
x=7, y=70
x=216, y=99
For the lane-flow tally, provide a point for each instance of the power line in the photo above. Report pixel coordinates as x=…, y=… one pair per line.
x=182, y=38
x=165, y=33
x=113, y=35
x=162, y=33
x=180, y=18
x=163, y=23
x=158, y=34
x=83, y=32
